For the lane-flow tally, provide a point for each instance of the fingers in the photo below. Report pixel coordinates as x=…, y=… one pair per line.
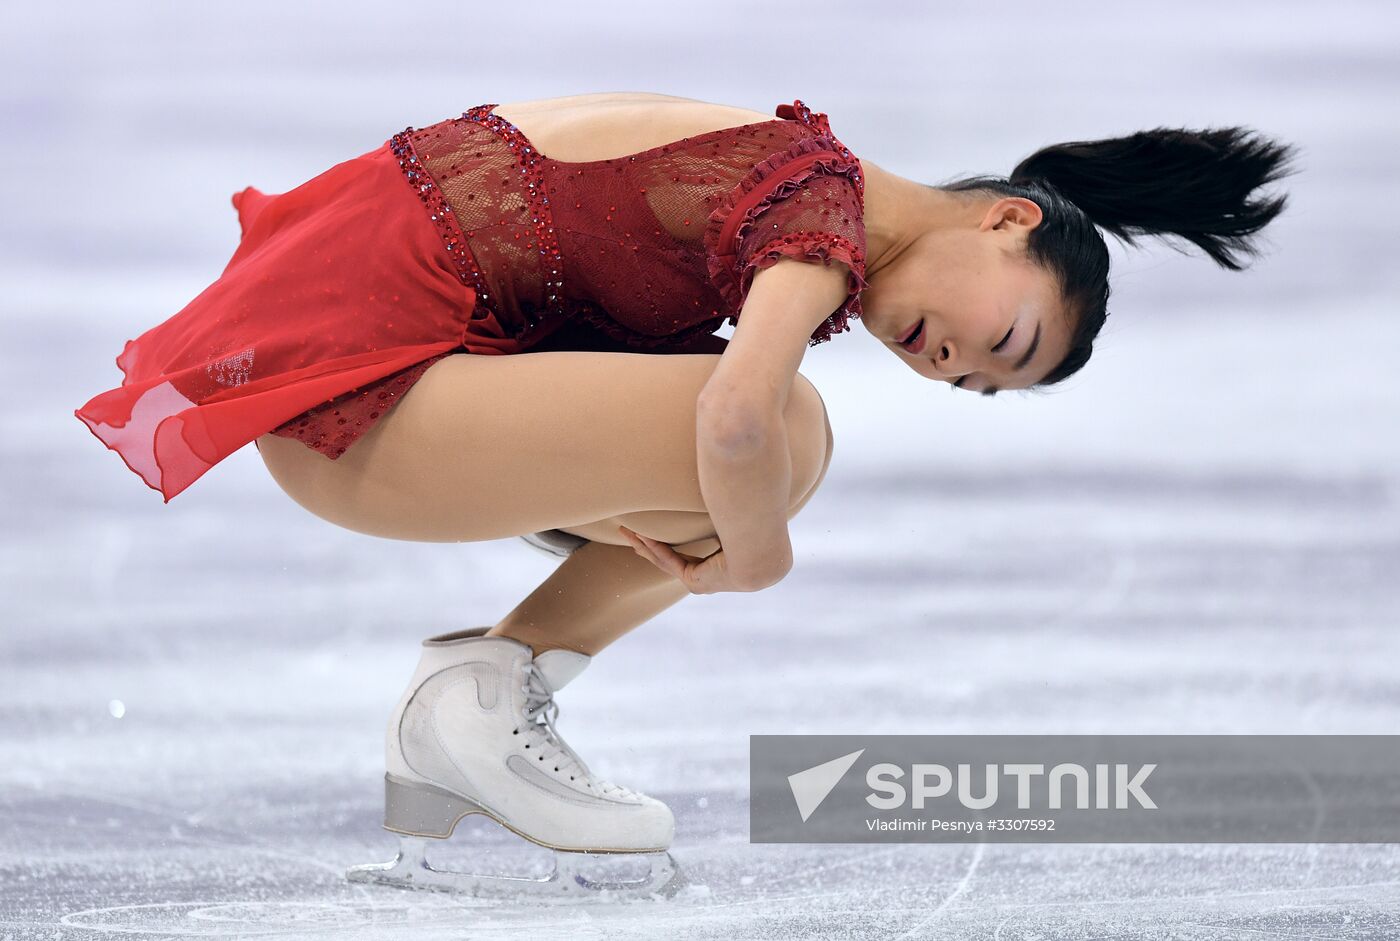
x=664, y=556
x=635, y=541
x=658, y=553
x=645, y=548
x=699, y=576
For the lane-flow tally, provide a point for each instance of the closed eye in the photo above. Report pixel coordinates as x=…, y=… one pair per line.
x=991, y=390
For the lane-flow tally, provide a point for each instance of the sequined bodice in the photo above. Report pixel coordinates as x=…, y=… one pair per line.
x=648, y=247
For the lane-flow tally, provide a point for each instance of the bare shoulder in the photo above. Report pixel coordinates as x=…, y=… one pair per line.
x=605, y=125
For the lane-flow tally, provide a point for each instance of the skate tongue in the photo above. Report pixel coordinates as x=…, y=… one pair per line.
x=558, y=666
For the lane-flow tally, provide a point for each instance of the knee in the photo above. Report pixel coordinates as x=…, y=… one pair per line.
x=810, y=441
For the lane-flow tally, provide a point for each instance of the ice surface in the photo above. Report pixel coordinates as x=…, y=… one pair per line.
x=1201, y=533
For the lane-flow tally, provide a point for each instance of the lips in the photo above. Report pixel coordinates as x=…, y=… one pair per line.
x=914, y=339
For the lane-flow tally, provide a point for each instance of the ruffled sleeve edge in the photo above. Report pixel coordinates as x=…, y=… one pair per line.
x=824, y=247
x=721, y=259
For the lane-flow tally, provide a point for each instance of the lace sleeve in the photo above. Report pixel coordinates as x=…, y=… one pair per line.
x=806, y=205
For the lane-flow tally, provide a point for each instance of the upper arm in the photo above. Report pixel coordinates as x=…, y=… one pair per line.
x=813, y=216
x=786, y=302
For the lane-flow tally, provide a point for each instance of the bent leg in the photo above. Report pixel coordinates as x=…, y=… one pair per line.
x=603, y=591
x=492, y=447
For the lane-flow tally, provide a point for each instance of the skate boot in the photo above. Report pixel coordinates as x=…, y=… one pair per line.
x=554, y=542
x=474, y=734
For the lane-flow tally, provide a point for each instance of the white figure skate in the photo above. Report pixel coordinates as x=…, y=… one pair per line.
x=554, y=542
x=474, y=734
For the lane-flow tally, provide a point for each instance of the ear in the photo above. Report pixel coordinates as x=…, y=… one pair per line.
x=1012, y=212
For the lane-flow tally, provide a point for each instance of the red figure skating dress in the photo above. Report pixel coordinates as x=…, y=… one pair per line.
x=462, y=238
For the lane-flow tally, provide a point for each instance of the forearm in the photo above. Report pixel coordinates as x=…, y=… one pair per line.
x=745, y=480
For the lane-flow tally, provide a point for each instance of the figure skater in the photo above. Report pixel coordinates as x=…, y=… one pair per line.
x=368, y=335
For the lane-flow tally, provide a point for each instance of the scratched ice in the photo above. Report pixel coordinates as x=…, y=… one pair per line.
x=1200, y=534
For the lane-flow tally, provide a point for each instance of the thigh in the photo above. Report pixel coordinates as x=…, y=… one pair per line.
x=486, y=447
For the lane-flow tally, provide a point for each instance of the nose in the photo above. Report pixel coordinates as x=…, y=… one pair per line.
x=946, y=357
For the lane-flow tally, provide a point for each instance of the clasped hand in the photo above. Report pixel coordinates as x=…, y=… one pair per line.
x=701, y=576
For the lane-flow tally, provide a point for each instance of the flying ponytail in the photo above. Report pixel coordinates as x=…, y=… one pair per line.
x=1198, y=185
x=1195, y=184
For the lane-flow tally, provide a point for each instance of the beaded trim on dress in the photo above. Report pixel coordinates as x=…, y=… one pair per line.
x=540, y=214
x=439, y=213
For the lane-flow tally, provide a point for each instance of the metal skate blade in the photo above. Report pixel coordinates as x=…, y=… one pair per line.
x=410, y=869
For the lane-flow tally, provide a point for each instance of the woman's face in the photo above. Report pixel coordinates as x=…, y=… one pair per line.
x=969, y=306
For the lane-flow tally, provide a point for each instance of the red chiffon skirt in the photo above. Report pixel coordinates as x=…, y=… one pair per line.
x=341, y=292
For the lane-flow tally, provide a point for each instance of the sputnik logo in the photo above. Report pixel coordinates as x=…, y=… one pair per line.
x=810, y=787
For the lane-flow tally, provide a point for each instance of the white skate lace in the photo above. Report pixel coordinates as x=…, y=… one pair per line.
x=541, y=712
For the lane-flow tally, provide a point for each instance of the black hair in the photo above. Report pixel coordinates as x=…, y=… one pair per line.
x=1164, y=181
